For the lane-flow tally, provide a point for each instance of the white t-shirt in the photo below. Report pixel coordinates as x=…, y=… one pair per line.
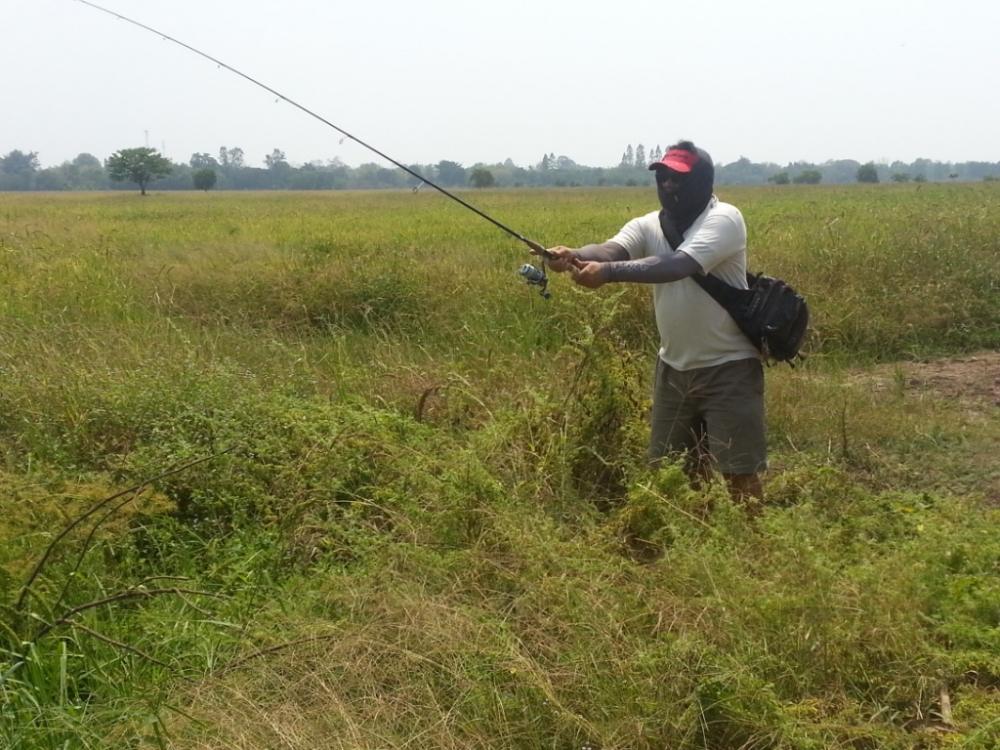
x=695, y=331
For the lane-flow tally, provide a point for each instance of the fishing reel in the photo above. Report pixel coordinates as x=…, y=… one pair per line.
x=536, y=277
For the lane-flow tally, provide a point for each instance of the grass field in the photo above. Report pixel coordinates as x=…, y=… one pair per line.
x=425, y=520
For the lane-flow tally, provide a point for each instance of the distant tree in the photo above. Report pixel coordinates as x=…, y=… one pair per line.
x=450, y=172
x=544, y=164
x=840, y=170
x=744, y=172
x=808, y=177
x=900, y=177
x=85, y=161
x=203, y=161
x=53, y=178
x=276, y=160
x=19, y=163
x=628, y=158
x=867, y=173
x=640, y=156
x=480, y=177
x=781, y=178
x=656, y=154
x=204, y=179
x=564, y=162
x=953, y=176
x=139, y=165
x=231, y=158
x=85, y=172
x=920, y=178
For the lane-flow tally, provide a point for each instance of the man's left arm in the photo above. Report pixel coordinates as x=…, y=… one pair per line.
x=653, y=269
x=718, y=238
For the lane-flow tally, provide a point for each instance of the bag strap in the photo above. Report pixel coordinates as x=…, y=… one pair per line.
x=727, y=296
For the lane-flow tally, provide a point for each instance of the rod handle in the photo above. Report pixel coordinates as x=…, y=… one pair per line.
x=537, y=249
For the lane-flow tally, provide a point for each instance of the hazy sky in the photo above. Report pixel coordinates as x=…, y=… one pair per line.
x=456, y=79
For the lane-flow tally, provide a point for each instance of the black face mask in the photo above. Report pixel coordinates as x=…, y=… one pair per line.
x=682, y=206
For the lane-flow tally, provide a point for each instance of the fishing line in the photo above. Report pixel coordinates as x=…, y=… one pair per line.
x=536, y=247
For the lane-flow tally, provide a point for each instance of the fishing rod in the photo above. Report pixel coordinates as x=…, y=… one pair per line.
x=532, y=275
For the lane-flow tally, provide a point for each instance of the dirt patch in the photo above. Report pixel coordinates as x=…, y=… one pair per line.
x=973, y=380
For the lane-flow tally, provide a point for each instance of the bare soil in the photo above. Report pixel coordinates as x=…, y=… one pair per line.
x=973, y=380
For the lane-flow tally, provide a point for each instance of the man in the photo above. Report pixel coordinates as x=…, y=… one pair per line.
x=708, y=398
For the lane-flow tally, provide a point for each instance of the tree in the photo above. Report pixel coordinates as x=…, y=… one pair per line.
x=900, y=177
x=85, y=172
x=640, y=156
x=808, y=177
x=781, y=178
x=450, y=172
x=204, y=179
x=480, y=177
x=868, y=173
x=231, y=158
x=203, y=161
x=139, y=165
x=276, y=160
x=628, y=158
x=86, y=161
x=19, y=163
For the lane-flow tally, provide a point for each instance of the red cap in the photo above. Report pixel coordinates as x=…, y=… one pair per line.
x=678, y=160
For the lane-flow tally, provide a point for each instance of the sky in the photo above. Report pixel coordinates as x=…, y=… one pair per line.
x=426, y=80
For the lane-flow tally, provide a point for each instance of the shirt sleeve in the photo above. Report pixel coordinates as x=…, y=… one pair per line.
x=719, y=238
x=632, y=238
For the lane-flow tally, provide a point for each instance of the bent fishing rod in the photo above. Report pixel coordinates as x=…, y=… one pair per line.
x=532, y=275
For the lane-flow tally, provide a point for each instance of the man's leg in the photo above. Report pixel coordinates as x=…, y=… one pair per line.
x=745, y=488
x=676, y=429
x=734, y=405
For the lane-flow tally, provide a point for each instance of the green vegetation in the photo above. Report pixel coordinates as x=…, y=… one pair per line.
x=808, y=177
x=399, y=537
x=21, y=171
x=138, y=165
x=204, y=179
x=868, y=172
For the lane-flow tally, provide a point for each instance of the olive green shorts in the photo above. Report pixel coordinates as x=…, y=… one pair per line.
x=711, y=412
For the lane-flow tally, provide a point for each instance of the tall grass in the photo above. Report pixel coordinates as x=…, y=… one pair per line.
x=435, y=527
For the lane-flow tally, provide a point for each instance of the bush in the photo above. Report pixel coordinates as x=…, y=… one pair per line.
x=204, y=179
x=868, y=173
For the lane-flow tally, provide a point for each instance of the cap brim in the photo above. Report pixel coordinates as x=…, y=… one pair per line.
x=674, y=164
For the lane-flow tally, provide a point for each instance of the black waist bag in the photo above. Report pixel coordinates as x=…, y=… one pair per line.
x=771, y=314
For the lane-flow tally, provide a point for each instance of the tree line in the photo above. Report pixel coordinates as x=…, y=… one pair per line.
x=228, y=169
